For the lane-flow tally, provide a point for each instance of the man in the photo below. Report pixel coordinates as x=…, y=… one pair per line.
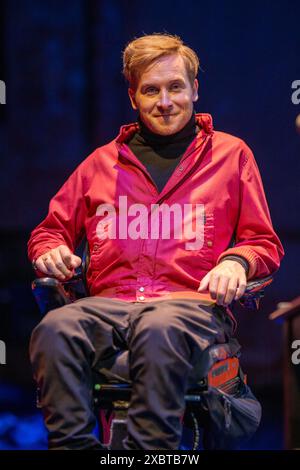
x=177, y=221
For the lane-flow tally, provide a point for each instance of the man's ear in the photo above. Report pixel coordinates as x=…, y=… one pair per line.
x=131, y=94
x=195, y=90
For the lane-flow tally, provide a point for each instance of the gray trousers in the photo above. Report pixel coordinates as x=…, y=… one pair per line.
x=165, y=341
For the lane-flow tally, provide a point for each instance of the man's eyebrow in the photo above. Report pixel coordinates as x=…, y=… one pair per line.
x=171, y=81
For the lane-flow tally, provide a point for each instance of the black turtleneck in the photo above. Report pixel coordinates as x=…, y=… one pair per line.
x=160, y=154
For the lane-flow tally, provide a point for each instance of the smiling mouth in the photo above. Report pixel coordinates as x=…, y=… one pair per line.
x=165, y=115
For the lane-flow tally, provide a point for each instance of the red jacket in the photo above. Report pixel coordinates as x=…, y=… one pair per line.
x=217, y=171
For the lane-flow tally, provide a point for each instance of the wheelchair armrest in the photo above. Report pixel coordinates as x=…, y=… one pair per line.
x=255, y=290
x=51, y=293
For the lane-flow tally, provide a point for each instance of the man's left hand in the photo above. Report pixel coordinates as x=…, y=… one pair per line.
x=226, y=282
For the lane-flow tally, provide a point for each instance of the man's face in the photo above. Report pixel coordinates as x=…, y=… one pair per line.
x=164, y=96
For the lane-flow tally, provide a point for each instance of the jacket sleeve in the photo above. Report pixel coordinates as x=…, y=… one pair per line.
x=255, y=238
x=64, y=224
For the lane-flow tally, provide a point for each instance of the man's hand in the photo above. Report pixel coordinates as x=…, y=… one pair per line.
x=227, y=282
x=58, y=262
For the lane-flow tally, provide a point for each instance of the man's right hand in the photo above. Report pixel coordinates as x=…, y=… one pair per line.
x=58, y=262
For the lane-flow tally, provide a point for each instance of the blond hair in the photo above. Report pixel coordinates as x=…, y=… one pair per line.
x=143, y=51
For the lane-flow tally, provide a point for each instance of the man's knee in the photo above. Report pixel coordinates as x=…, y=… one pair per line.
x=47, y=335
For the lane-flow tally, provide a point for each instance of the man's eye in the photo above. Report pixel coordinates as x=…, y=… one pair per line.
x=151, y=91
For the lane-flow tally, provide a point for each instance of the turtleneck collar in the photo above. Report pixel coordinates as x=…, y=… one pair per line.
x=188, y=131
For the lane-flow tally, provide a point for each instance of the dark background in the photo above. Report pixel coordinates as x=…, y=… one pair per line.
x=61, y=62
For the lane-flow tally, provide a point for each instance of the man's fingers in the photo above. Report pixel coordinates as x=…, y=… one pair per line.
x=231, y=291
x=226, y=282
x=222, y=289
x=76, y=261
x=65, y=255
x=51, y=267
x=241, y=288
x=40, y=265
x=60, y=264
x=213, y=285
x=51, y=263
x=204, y=283
x=70, y=260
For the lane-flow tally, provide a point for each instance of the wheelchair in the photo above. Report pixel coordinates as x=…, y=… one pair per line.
x=112, y=388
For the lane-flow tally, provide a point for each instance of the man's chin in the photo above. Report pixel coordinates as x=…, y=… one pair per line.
x=164, y=130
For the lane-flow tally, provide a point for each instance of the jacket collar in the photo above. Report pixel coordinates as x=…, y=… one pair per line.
x=204, y=120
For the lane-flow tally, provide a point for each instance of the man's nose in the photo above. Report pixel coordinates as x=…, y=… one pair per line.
x=164, y=101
